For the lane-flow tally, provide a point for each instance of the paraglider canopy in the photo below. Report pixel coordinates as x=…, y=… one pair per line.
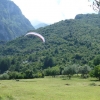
x=36, y=34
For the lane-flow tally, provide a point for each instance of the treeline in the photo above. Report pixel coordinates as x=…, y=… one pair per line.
x=17, y=68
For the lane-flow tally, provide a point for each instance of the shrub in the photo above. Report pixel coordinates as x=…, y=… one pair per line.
x=4, y=76
x=92, y=84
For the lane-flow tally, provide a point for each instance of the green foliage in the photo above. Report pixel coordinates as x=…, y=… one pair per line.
x=91, y=73
x=96, y=72
x=38, y=75
x=53, y=71
x=12, y=22
x=4, y=76
x=48, y=62
x=84, y=70
x=4, y=64
x=28, y=74
x=69, y=70
x=75, y=41
x=96, y=60
x=72, y=42
x=16, y=75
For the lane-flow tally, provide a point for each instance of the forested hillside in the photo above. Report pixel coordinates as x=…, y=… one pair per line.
x=68, y=42
x=12, y=22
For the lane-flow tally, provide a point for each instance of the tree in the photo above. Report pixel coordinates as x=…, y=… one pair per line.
x=96, y=60
x=53, y=71
x=96, y=72
x=48, y=62
x=95, y=5
x=84, y=70
x=48, y=71
x=15, y=75
x=69, y=70
x=28, y=74
x=4, y=64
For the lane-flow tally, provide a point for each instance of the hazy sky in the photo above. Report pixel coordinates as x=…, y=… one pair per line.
x=51, y=11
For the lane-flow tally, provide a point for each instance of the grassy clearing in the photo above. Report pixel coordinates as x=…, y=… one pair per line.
x=50, y=89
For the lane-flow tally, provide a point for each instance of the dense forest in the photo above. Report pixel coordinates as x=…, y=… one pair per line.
x=73, y=42
x=12, y=22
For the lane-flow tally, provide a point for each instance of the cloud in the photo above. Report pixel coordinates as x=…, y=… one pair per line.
x=50, y=11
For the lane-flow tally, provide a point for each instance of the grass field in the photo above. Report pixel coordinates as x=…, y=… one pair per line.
x=50, y=89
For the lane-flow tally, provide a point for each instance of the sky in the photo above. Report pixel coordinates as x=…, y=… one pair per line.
x=51, y=11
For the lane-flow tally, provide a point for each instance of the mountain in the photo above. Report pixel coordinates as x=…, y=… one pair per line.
x=74, y=41
x=12, y=22
x=40, y=25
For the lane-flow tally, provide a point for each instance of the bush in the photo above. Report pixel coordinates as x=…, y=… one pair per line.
x=38, y=75
x=4, y=76
x=92, y=84
x=16, y=75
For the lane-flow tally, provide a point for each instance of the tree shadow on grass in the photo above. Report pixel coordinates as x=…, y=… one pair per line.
x=94, y=84
x=25, y=80
x=67, y=84
x=64, y=79
x=95, y=80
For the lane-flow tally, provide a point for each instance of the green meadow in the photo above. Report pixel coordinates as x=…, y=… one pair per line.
x=50, y=89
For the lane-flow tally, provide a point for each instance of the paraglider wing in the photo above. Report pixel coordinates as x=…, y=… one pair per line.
x=36, y=34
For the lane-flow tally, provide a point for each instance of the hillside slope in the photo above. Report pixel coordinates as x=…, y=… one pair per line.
x=67, y=42
x=12, y=22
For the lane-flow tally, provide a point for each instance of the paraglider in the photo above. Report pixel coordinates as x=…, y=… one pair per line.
x=36, y=34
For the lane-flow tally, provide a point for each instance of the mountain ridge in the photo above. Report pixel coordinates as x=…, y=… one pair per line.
x=13, y=23
x=78, y=38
